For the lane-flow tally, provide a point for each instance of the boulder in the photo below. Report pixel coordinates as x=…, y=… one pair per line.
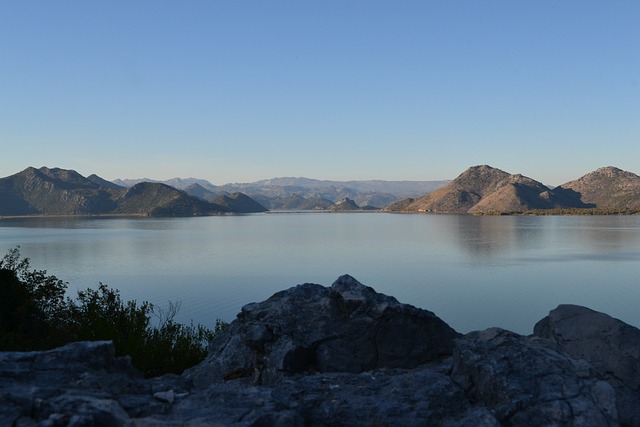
x=79, y=384
x=528, y=381
x=611, y=346
x=311, y=328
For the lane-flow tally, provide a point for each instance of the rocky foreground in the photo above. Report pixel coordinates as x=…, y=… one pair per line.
x=345, y=355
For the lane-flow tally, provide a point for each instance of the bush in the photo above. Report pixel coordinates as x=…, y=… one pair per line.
x=34, y=315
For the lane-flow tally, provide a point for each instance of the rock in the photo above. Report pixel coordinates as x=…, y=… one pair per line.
x=165, y=396
x=610, y=345
x=343, y=356
x=531, y=382
x=310, y=328
x=79, y=384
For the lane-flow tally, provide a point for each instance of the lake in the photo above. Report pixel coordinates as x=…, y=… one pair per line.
x=472, y=271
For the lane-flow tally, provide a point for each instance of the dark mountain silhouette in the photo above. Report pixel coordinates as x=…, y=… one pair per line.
x=484, y=189
x=606, y=188
x=57, y=191
x=240, y=203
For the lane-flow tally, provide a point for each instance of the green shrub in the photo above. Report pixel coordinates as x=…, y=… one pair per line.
x=35, y=315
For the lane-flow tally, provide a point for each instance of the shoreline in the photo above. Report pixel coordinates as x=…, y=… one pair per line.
x=532, y=212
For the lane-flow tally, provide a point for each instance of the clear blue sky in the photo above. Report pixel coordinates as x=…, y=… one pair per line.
x=236, y=91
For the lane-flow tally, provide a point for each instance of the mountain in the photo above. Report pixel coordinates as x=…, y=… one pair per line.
x=240, y=203
x=606, y=188
x=483, y=189
x=54, y=192
x=179, y=183
x=373, y=193
x=57, y=191
x=274, y=193
x=156, y=199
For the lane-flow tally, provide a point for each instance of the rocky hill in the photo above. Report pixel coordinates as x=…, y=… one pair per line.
x=606, y=188
x=57, y=191
x=345, y=355
x=484, y=189
x=348, y=205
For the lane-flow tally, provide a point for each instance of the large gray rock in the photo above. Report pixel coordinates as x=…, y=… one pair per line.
x=339, y=356
x=531, y=382
x=398, y=397
x=310, y=328
x=79, y=384
x=610, y=345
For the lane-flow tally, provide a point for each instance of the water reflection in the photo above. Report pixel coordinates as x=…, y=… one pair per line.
x=473, y=271
x=485, y=237
x=512, y=237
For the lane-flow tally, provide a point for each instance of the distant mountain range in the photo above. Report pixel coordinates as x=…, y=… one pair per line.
x=57, y=191
x=305, y=193
x=484, y=189
x=478, y=190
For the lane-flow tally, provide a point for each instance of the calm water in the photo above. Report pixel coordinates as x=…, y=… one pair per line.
x=473, y=272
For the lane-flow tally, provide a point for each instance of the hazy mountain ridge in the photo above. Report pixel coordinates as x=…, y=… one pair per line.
x=484, y=189
x=275, y=193
x=179, y=183
x=57, y=191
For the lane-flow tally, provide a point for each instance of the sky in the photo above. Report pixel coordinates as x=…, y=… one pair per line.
x=237, y=91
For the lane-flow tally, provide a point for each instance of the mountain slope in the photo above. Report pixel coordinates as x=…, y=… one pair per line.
x=519, y=194
x=607, y=187
x=200, y=192
x=103, y=182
